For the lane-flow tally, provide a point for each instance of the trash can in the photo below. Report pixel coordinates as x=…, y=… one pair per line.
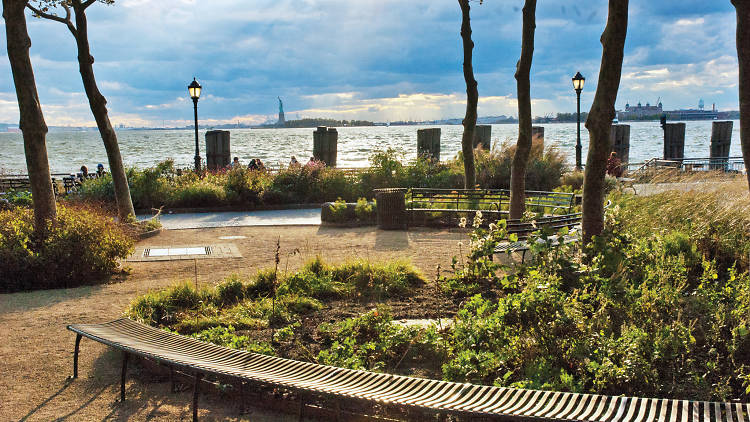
x=391, y=209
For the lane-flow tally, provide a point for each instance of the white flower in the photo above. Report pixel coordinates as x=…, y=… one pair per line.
x=462, y=223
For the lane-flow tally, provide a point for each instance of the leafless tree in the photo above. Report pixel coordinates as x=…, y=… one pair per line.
x=599, y=121
x=31, y=120
x=78, y=26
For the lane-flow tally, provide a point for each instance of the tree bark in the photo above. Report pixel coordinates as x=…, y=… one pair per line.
x=523, y=87
x=472, y=98
x=98, y=105
x=599, y=121
x=742, y=7
x=31, y=120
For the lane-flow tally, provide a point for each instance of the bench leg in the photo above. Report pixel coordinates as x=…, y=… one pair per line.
x=242, y=398
x=196, y=388
x=75, y=356
x=125, y=357
x=301, y=407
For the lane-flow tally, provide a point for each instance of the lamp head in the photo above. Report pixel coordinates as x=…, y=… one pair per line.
x=578, y=81
x=194, y=89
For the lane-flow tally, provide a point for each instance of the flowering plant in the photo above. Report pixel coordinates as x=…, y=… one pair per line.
x=480, y=267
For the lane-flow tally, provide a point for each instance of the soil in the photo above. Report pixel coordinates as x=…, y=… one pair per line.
x=36, y=351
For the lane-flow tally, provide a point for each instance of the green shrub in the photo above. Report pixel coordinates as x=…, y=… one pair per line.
x=364, y=210
x=197, y=193
x=338, y=211
x=372, y=342
x=99, y=189
x=645, y=310
x=230, y=291
x=225, y=336
x=315, y=183
x=245, y=186
x=83, y=246
x=150, y=188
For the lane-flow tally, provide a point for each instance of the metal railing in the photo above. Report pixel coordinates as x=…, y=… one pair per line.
x=726, y=164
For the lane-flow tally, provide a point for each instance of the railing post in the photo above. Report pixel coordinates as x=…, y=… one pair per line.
x=75, y=356
x=196, y=388
x=125, y=356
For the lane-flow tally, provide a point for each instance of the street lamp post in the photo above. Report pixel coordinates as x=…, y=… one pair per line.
x=195, y=92
x=578, y=81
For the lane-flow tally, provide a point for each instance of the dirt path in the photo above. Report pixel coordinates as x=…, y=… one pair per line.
x=36, y=350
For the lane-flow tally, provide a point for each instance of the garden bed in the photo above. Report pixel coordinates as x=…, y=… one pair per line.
x=657, y=307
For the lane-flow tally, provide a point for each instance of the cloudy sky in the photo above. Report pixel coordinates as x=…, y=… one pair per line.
x=378, y=60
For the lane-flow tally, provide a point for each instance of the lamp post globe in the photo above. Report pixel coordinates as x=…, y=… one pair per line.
x=578, y=81
x=194, y=89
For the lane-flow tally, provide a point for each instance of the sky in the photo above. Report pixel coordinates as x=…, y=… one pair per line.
x=378, y=60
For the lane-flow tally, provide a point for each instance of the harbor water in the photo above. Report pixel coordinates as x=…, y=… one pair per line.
x=69, y=150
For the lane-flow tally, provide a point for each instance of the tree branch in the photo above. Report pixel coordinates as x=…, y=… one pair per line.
x=66, y=20
x=88, y=3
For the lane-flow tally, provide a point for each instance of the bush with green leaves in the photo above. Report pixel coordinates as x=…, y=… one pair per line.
x=365, y=210
x=373, y=342
x=338, y=211
x=82, y=246
x=645, y=310
x=163, y=185
x=272, y=298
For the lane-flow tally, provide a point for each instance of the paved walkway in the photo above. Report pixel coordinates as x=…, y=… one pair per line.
x=307, y=217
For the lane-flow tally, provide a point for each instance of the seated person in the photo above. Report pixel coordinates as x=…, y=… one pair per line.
x=100, y=170
x=253, y=165
x=235, y=163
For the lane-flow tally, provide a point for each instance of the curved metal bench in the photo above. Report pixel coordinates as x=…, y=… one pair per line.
x=435, y=396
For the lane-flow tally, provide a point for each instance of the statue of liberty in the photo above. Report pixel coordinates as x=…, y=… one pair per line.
x=282, y=121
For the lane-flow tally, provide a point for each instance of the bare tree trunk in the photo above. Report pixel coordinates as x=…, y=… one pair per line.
x=523, y=86
x=599, y=121
x=31, y=118
x=98, y=105
x=472, y=98
x=742, y=8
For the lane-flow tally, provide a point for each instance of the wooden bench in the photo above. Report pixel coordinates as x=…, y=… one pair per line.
x=431, y=396
x=551, y=224
x=12, y=184
x=492, y=202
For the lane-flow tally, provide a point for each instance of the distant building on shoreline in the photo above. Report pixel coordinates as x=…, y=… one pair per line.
x=649, y=112
x=639, y=112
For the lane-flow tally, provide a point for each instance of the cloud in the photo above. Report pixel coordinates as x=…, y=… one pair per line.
x=371, y=59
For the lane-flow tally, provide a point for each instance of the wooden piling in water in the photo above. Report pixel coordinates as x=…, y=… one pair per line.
x=325, y=145
x=721, y=141
x=674, y=141
x=428, y=143
x=482, y=136
x=217, y=149
x=620, y=141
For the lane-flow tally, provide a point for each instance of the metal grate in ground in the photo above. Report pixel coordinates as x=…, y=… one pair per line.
x=173, y=253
